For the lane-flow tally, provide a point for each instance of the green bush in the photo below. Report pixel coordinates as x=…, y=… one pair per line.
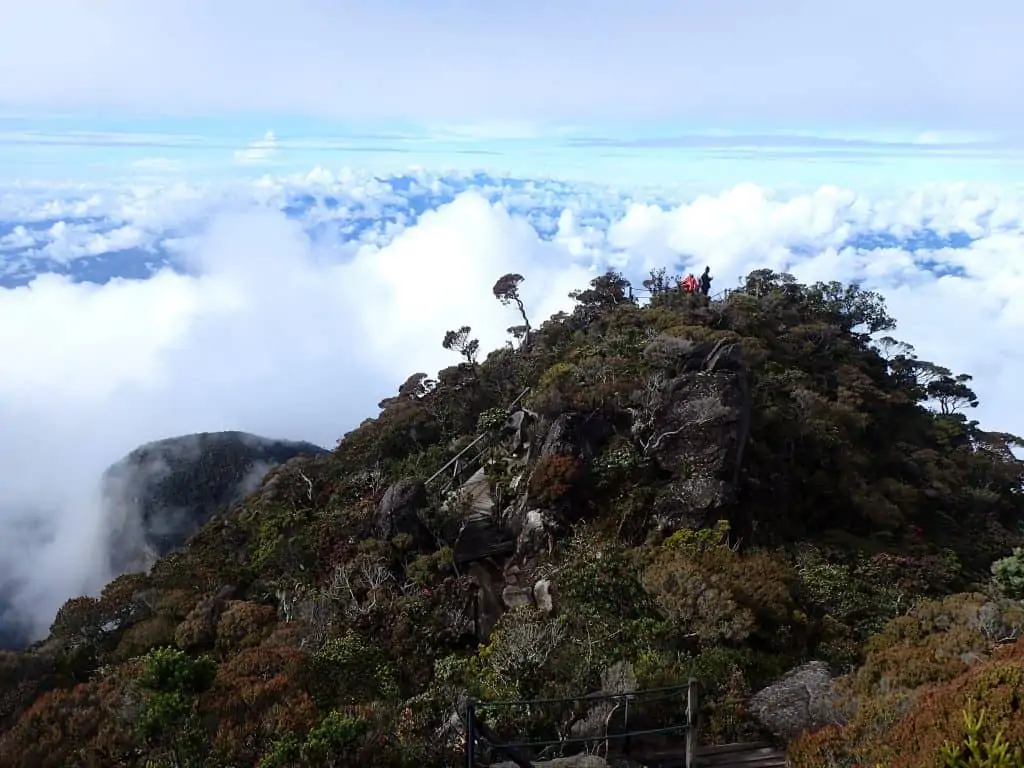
x=1008, y=574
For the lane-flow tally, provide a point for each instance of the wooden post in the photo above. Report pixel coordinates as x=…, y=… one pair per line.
x=692, y=709
x=470, y=733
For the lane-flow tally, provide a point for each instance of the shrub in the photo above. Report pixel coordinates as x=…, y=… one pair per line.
x=978, y=752
x=492, y=420
x=349, y=669
x=1008, y=574
x=614, y=464
x=553, y=478
x=169, y=721
x=244, y=625
x=516, y=657
x=668, y=352
x=703, y=540
x=140, y=638
x=338, y=739
x=425, y=569
x=902, y=727
x=713, y=593
x=256, y=700
x=168, y=670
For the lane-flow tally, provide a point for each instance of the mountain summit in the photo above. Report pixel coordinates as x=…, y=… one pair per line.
x=758, y=490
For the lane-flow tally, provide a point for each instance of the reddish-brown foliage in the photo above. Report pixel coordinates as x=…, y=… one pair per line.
x=244, y=625
x=150, y=633
x=88, y=726
x=199, y=629
x=23, y=676
x=904, y=730
x=553, y=478
x=255, y=700
x=176, y=603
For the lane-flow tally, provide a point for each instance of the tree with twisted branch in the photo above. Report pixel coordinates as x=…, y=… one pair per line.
x=506, y=290
x=459, y=341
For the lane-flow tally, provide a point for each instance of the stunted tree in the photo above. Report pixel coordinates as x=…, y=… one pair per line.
x=889, y=348
x=606, y=290
x=506, y=290
x=762, y=282
x=936, y=384
x=517, y=332
x=660, y=281
x=459, y=341
x=951, y=393
x=851, y=307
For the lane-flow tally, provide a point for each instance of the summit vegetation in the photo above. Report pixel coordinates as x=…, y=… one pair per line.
x=747, y=490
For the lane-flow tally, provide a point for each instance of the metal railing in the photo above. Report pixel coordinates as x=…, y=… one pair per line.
x=455, y=462
x=523, y=752
x=637, y=294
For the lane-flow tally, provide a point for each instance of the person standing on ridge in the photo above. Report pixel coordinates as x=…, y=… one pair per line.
x=705, y=281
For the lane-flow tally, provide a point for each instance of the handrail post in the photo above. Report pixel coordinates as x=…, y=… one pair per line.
x=625, y=724
x=477, y=634
x=470, y=733
x=692, y=709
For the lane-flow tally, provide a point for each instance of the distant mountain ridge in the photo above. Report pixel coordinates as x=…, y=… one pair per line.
x=163, y=492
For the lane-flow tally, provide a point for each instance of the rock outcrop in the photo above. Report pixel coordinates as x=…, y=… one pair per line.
x=697, y=418
x=803, y=700
x=691, y=421
x=399, y=512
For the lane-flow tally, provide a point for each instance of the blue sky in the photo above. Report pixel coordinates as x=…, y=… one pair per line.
x=80, y=147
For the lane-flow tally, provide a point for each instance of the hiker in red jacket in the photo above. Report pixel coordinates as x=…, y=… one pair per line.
x=689, y=285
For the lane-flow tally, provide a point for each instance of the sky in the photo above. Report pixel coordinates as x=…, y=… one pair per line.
x=225, y=216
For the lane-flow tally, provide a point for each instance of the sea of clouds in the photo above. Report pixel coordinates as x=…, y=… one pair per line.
x=289, y=306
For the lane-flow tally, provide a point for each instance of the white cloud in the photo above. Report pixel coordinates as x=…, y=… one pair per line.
x=969, y=320
x=19, y=237
x=501, y=130
x=271, y=338
x=259, y=152
x=282, y=334
x=72, y=241
x=938, y=65
x=157, y=164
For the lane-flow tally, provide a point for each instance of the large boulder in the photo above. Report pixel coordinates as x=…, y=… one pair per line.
x=697, y=422
x=399, y=511
x=161, y=493
x=804, y=699
x=574, y=434
x=480, y=536
x=518, y=433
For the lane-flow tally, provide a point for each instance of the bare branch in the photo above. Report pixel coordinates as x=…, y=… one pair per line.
x=309, y=485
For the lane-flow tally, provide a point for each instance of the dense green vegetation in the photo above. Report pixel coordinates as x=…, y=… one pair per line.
x=725, y=490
